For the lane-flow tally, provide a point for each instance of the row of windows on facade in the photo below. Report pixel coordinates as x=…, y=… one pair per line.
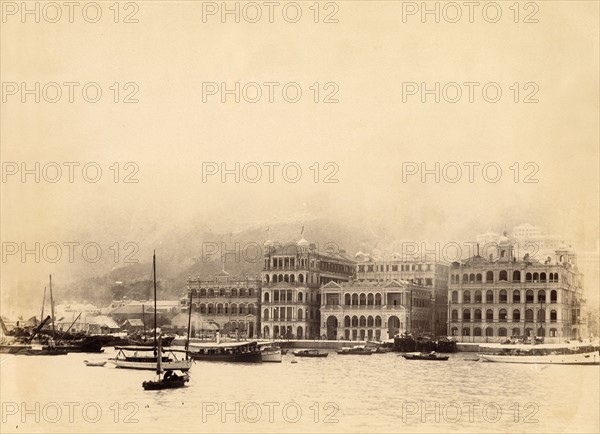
x=503, y=315
x=285, y=262
x=503, y=276
x=394, y=267
x=502, y=296
x=225, y=309
x=222, y=292
x=282, y=295
x=371, y=299
x=287, y=314
x=503, y=332
x=418, y=281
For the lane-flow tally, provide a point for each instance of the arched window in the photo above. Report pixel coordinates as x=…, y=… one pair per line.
x=266, y=297
x=516, y=296
x=466, y=331
x=489, y=277
x=266, y=315
x=502, y=315
x=503, y=275
x=363, y=299
x=234, y=292
x=516, y=315
x=489, y=315
x=370, y=299
x=541, y=296
x=541, y=316
x=242, y=309
x=489, y=331
x=503, y=296
x=472, y=278
x=378, y=299
x=553, y=296
x=299, y=314
x=454, y=296
x=301, y=278
x=529, y=296
x=347, y=300
x=354, y=299
x=211, y=309
x=454, y=315
x=465, y=278
x=346, y=321
x=552, y=316
x=477, y=331
x=300, y=296
x=467, y=315
x=370, y=321
x=489, y=296
x=220, y=309
x=536, y=277
x=516, y=332
x=377, y=321
x=203, y=292
x=286, y=278
x=502, y=332
x=516, y=276
x=478, y=278
x=467, y=296
x=529, y=315
x=362, y=321
x=222, y=292
x=527, y=277
x=553, y=333
x=478, y=297
x=234, y=309
x=354, y=321
x=541, y=331
x=292, y=278
x=477, y=316
x=542, y=277
x=203, y=308
x=211, y=292
x=454, y=331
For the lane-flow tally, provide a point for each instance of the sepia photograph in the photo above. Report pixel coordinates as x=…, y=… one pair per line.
x=347, y=216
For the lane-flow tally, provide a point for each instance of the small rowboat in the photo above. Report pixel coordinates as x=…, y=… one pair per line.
x=310, y=353
x=425, y=356
x=95, y=362
x=170, y=381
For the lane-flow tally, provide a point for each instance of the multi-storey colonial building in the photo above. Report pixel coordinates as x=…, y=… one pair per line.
x=425, y=271
x=369, y=310
x=491, y=299
x=291, y=278
x=231, y=303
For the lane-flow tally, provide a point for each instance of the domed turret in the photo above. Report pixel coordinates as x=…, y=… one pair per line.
x=302, y=242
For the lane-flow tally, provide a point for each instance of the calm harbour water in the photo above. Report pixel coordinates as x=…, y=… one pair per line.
x=378, y=393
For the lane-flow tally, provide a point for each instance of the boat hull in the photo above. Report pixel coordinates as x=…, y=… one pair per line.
x=162, y=384
x=252, y=357
x=591, y=358
x=181, y=365
x=271, y=356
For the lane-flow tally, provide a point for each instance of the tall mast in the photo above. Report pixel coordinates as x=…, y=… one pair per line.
x=43, y=303
x=52, y=309
x=154, y=278
x=187, y=342
x=144, y=320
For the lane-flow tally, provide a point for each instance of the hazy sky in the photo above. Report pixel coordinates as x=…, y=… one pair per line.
x=368, y=135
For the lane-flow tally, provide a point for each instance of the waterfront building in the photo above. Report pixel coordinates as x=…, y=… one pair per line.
x=362, y=310
x=423, y=271
x=501, y=296
x=291, y=279
x=227, y=301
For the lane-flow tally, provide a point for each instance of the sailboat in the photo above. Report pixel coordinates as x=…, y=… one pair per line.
x=170, y=380
x=44, y=348
x=138, y=358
